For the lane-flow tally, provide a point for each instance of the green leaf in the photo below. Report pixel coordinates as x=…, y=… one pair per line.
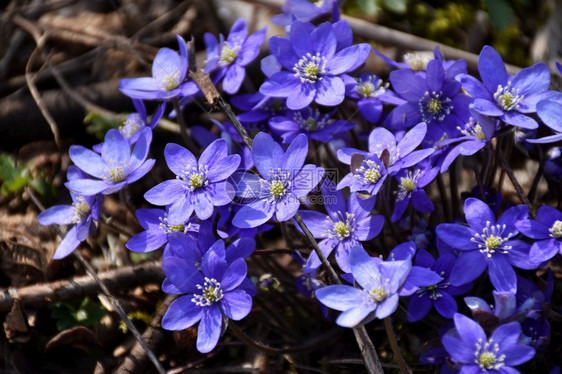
x=14, y=177
x=98, y=125
x=396, y=6
x=500, y=12
x=69, y=315
x=370, y=7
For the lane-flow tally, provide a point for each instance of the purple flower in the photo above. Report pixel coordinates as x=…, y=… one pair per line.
x=553, y=163
x=487, y=243
x=418, y=61
x=211, y=292
x=159, y=230
x=83, y=213
x=135, y=122
x=380, y=283
x=510, y=99
x=304, y=10
x=284, y=180
x=419, y=276
x=550, y=112
x=116, y=167
x=410, y=188
x=474, y=135
x=228, y=59
x=434, y=100
x=470, y=347
x=199, y=185
x=370, y=93
x=193, y=248
x=313, y=66
x=546, y=231
x=310, y=122
x=439, y=295
x=368, y=171
x=258, y=107
x=507, y=306
x=169, y=71
x=344, y=227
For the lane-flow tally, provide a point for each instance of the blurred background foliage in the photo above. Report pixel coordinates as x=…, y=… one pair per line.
x=507, y=25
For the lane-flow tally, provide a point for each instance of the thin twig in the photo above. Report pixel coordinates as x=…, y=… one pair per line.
x=394, y=345
x=37, y=96
x=307, y=346
x=515, y=182
x=184, y=129
x=136, y=360
x=119, y=309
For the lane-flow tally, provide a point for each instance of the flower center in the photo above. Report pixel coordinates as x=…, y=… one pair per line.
x=408, y=183
x=433, y=290
x=81, y=210
x=434, y=107
x=371, y=87
x=171, y=81
x=165, y=225
x=507, y=97
x=310, y=68
x=195, y=178
x=473, y=129
x=311, y=122
x=416, y=61
x=117, y=174
x=277, y=189
x=228, y=54
x=369, y=172
x=365, y=89
x=491, y=239
x=556, y=230
x=211, y=293
x=378, y=294
x=342, y=229
x=340, y=225
x=486, y=355
x=277, y=186
x=133, y=123
x=493, y=242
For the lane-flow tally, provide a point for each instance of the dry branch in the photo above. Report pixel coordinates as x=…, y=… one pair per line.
x=118, y=279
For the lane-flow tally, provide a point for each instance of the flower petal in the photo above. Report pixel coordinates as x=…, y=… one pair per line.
x=209, y=330
x=492, y=69
x=457, y=236
x=254, y=214
x=468, y=267
x=181, y=314
x=477, y=214
x=339, y=297
x=502, y=274
x=87, y=160
x=178, y=159
x=267, y=154
x=352, y=317
x=236, y=304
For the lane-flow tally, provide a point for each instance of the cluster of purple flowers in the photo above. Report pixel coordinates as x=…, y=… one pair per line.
x=428, y=114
